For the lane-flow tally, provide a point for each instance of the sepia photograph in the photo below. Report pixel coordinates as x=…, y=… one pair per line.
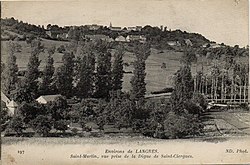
x=125, y=82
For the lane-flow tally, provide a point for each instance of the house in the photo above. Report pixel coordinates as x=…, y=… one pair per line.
x=51, y=34
x=139, y=38
x=45, y=99
x=173, y=43
x=93, y=27
x=98, y=37
x=215, y=45
x=212, y=45
x=114, y=28
x=131, y=28
x=157, y=97
x=10, y=104
x=120, y=39
x=4, y=98
x=63, y=36
x=188, y=42
x=138, y=28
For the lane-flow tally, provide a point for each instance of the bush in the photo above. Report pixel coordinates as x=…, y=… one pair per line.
x=193, y=108
x=178, y=126
x=61, y=49
x=244, y=107
x=200, y=100
x=61, y=125
x=16, y=124
x=42, y=125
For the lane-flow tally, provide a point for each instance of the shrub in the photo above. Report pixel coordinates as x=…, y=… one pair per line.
x=16, y=124
x=244, y=107
x=61, y=49
x=200, y=100
x=74, y=131
x=61, y=125
x=193, y=108
x=42, y=125
x=178, y=126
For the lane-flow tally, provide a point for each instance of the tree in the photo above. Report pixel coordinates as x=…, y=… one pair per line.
x=4, y=116
x=30, y=84
x=141, y=51
x=42, y=125
x=86, y=113
x=9, y=76
x=64, y=75
x=58, y=108
x=16, y=124
x=48, y=72
x=183, y=88
x=61, y=125
x=103, y=75
x=85, y=73
x=59, y=112
x=117, y=70
x=189, y=56
x=29, y=111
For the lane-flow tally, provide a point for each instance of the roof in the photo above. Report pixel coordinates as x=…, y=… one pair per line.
x=115, y=28
x=12, y=104
x=4, y=98
x=49, y=98
x=97, y=37
x=120, y=38
x=158, y=95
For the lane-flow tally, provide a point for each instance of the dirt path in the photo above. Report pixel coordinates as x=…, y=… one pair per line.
x=227, y=123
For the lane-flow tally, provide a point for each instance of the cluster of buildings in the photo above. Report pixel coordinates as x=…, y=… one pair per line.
x=120, y=38
x=64, y=35
x=12, y=106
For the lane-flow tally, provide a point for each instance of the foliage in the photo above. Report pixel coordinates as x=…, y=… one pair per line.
x=183, y=89
x=200, y=100
x=61, y=49
x=16, y=124
x=141, y=51
x=64, y=75
x=85, y=112
x=30, y=82
x=42, y=125
x=103, y=75
x=61, y=125
x=58, y=109
x=119, y=110
x=45, y=86
x=4, y=116
x=117, y=70
x=29, y=111
x=9, y=75
x=179, y=126
x=85, y=72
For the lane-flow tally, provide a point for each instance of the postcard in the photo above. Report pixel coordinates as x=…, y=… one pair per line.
x=125, y=82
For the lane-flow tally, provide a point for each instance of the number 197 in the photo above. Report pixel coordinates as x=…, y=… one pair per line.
x=20, y=151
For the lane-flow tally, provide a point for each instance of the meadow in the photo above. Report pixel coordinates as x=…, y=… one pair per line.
x=157, y=78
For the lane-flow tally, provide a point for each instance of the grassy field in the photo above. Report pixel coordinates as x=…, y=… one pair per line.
x=157, y=78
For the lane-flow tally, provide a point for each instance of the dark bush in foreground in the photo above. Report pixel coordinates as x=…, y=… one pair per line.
x=16, y=124
x=178, y=126
x=42, y=125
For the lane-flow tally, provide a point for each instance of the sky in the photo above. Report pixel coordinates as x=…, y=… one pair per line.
x=218, y=20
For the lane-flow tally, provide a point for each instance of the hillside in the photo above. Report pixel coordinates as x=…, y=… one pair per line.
x=155, y=35
x=156, y=79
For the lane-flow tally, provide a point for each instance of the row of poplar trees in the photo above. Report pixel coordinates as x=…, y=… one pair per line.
x=86, y=71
